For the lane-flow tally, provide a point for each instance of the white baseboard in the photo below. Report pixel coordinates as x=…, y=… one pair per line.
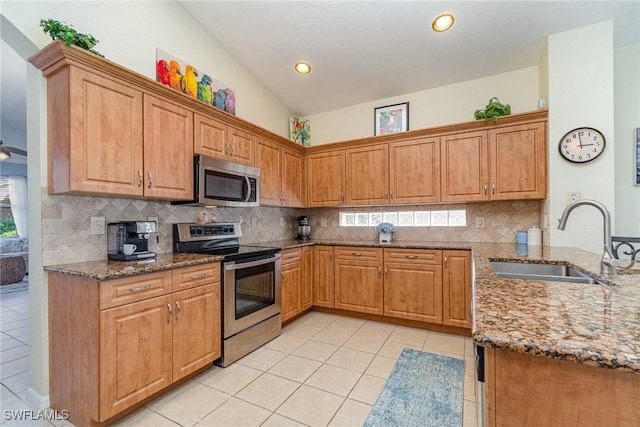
x=36, y=400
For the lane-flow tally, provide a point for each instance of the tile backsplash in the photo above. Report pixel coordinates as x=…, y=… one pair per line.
x=67, y=234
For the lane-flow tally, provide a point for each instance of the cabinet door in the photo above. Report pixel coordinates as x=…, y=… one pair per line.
x=168, y=150
x=463, y=162
x=456, y=288
x=290, y=290
x=268, y=161
x=292, y=179
x=414, y=171
x=97, y=146
x=210, y=137
x=323, y=287
x=413, y=291
x=135, y=353
x=325, y=179
x=242, y=146
x=307, y=278
x=197, y=337
x=518, y=162
x=358, y=286
x=367, y=175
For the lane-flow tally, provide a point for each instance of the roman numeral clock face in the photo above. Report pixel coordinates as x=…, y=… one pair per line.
x=582, y=145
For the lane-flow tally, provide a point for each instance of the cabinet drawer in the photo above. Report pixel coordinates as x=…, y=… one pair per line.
x=132, y=289
x=190, y=277
x=425, y=256
x=291, y=255
x=356, y=252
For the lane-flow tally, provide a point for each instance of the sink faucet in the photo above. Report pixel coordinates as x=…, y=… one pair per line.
x=608, y=262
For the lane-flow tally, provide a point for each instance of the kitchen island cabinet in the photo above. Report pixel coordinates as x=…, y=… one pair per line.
x=115, y=343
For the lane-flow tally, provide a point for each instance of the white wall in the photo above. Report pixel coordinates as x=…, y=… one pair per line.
x=581, y=94
x=130, y=32
x=434, y=107
x=627, y=119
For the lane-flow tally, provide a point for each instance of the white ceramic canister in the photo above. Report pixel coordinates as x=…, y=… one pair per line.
x=534, y=236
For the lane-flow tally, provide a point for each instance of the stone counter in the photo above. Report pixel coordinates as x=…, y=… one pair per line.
x=111, y=269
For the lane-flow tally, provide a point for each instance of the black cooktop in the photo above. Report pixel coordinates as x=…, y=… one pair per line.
x=216, y=239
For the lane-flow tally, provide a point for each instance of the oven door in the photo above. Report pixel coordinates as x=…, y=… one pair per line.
x=251, y=292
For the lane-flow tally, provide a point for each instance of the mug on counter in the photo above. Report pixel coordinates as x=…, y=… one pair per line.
x=129, y=248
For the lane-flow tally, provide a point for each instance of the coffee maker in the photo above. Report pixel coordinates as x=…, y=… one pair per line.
x=129, y=240
x=304, y=229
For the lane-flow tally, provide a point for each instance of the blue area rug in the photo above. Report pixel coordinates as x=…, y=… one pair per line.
x=424, y=389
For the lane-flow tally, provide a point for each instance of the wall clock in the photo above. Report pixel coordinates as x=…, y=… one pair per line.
x=581, y=145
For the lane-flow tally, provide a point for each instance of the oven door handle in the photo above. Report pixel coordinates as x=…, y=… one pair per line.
x=240, y=266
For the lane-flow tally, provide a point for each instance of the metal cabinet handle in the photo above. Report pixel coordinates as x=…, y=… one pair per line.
x=445, y=260
x=485, y=188
x=386, y=272
x=226, y=148
x=232, y=146
x=179, y=310
x=330, y=256
x=170, y=313
x=391, y=194
x=493, y=188
x=356, y=253
x=150, y=178
x=379, y=272
x=411, y=256
x=342, y=196
x=199, y=276
x=282, y=275
x=140, y=176
x=386, y=194
x=140, y=288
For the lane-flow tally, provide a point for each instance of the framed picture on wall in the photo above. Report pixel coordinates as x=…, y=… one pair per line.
x=391, y=119
x=637, y=146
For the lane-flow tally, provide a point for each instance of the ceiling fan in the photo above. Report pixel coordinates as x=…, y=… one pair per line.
x=5, y=152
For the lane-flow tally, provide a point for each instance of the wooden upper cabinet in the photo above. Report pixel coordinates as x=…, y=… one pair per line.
x=95, y=134
x=367, y=175
x=269, y=161
x=168, y=150
x=281, y=174
x=463, y=165
x=414, y=171
x=326, y=179
x=292, y=178
x=518, y=162
x=216, y=139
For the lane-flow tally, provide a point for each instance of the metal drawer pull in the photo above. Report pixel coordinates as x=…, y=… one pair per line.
x=179, y=310
x=379, y=272
x=199, y=276
x=356, y=253
x=150, y=178
x=282, y=275
x=411, y=256
x=386, y=272
x=140, y=176
x=170, y=313
x=493, y=188
x=485, y=188
x=140, y=288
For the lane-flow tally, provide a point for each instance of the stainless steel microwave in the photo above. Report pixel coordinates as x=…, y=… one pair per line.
x=222, y=183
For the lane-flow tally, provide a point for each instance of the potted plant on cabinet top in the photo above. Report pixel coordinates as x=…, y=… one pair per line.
x=385, y=230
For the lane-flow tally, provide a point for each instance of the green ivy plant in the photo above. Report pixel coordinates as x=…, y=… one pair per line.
x=65, y=32
x=493, y=110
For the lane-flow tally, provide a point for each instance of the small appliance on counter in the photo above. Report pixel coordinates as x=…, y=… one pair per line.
x=129, y=240
x=304, y=229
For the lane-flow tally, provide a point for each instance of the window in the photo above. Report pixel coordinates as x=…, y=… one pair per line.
x=439, y=218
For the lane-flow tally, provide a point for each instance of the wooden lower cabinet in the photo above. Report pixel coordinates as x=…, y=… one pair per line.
x=456, y=288
x=358, y=280
x=413, y=291
x=307, y=277
x=323, y=288
x=290, y=287
x=105, y=360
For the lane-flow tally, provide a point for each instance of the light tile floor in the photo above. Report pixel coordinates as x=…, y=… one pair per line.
x=324, y=370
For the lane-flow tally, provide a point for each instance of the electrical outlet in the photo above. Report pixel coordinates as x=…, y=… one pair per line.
x=323, y=222
x=97, y=225
x=573, y=196
x=479, y=222
x=281, y=222
x=254, y=221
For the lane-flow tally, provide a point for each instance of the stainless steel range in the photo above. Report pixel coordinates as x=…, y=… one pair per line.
x=251, y=277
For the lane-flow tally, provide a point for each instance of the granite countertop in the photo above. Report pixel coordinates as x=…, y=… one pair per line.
x=110, y=269
x=596, y=324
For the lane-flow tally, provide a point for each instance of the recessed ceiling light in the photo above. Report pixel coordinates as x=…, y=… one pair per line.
x=442, y=22
x=303, y=68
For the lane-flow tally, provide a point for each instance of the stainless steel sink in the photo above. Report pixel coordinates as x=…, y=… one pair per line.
x=529, y=271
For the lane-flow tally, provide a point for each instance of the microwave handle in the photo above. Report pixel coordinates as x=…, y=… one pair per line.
x=248, y=182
